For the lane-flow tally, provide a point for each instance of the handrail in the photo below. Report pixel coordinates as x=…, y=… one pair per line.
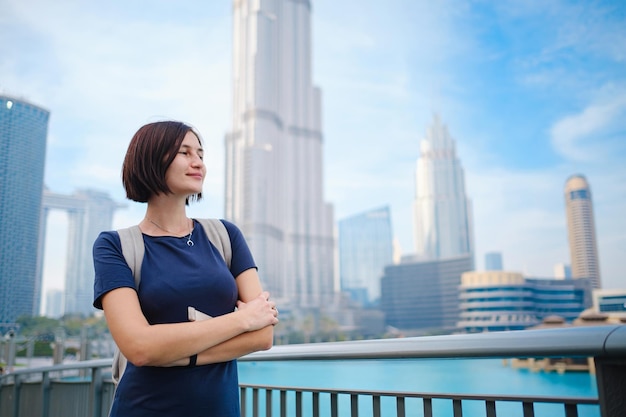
x=591, y=341
x=605, y=343
x=587, y=341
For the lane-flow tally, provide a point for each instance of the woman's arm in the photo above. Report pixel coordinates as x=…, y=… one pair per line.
x=162, y=344
x=249, y=286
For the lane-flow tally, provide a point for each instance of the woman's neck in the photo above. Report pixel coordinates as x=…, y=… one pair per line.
x=167, y=215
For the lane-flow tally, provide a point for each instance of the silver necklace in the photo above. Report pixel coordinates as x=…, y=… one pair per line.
x=189, y=241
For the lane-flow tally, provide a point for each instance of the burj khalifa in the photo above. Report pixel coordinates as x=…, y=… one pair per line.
x=274, y=152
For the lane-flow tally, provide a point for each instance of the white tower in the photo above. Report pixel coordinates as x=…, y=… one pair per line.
x=581, y=230
x=274, y=179
x=441, y=209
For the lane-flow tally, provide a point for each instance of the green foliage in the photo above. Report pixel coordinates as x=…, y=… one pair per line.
x=40, y=349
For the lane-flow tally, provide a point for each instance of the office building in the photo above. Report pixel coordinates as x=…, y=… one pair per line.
x=442, y=211
x=581, y=230
x=365, y=248
x=493, y=261
x=54, y=303
x=23, y=133
x=423, y=294
x=274, y=187
x=611, y=302
x=89, y=213
x=503, y=300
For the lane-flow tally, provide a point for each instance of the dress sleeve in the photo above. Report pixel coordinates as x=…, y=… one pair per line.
x=111, y=269
x=242, y=258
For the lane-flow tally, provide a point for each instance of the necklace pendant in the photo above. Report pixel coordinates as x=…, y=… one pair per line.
x=190, y=242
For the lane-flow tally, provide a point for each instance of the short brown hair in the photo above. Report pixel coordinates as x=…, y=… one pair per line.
x=149, y=155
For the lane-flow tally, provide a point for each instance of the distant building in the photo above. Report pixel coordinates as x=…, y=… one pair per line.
x=54, y=303
x=423, y=294
x=442, y=211
x=581, y=230
x=562, y=271
x=365, y=248
x=89, y=212
x=610, y=302
x=23, y=133
x=493, y=261
x=274, y=183
x=501, y=300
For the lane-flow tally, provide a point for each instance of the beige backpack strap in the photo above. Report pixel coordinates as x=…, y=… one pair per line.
x=133, y=250
x=218, y=235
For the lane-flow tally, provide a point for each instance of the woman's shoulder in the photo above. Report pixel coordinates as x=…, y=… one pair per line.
x=107, y=240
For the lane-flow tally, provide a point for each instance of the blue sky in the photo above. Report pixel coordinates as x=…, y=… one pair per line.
x=532, y=92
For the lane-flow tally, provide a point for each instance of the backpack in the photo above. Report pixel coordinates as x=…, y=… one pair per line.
x=133, y=250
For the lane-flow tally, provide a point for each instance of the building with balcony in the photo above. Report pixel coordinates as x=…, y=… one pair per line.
x=503, y=300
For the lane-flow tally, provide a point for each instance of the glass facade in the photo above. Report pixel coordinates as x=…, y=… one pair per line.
x=365, y=248
x=23, y=132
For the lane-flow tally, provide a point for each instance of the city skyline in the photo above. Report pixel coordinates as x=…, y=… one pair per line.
x=533, y=93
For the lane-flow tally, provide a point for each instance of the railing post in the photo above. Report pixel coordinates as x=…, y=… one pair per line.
x=45, y=394
x=96, y=391
x=17, y=386
x=611, y=379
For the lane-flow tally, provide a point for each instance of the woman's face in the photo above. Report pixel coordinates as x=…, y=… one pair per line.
x=185, y=175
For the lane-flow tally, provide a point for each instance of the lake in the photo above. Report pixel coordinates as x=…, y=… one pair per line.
x=461, y=376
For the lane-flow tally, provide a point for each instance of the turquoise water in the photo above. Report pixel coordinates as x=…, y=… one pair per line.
x=461, y=376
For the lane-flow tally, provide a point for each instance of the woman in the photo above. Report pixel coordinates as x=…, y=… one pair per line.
x=177, y=367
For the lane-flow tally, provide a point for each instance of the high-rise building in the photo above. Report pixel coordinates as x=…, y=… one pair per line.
x=274, y=185
x=581, y=230
x=442, y=211
x=89, y=213
x=365, y=248
x=493, y=261
x=23, y=133
x=423, y=294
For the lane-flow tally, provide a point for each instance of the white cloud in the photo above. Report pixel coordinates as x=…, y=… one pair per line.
x=576, y=137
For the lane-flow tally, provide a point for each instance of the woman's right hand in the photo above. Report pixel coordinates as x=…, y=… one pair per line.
x=259, y=312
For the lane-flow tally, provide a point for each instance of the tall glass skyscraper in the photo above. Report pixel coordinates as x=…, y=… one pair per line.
x=581, y=230
x=365, y=249
x=442, y=212
x=274, y=179
x=23, y=133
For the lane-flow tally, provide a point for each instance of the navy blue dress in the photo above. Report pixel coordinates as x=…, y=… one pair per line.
x=174, y=276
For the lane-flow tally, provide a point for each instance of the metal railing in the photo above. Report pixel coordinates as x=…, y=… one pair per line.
x=85, y=389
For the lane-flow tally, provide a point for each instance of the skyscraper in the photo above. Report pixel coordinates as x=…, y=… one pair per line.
x=581, y=230
x=274, y=179
x=89, y=213
x=442, y=211
x=23, y=133
x=365, y=248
